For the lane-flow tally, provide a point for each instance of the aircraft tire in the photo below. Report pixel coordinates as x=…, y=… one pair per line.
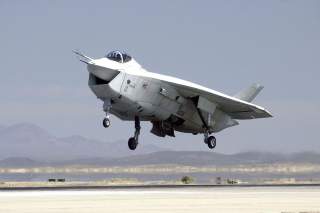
x=106, y=122
x=132, y=143
x=211, y=141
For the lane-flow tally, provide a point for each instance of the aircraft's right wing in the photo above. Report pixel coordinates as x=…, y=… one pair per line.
x=236, y=108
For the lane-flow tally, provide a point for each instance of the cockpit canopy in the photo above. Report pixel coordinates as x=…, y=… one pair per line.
x=118, y=56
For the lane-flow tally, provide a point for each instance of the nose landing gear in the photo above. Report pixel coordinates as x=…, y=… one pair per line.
x=106, y=122
x=133, y=141
x=106, y=107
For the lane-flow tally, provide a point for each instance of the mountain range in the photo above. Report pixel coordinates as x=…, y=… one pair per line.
x=31, y=141
x=179, y=158
x=28, y=145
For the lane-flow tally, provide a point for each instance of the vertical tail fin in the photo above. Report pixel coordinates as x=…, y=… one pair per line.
x=250, y=93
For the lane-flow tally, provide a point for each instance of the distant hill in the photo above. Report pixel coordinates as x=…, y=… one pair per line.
x=198, y=158
x=187, y=158
x=20, y=162
x=27, y=140
x=25, y=145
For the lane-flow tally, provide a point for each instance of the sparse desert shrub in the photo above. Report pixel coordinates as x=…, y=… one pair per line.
x=186, y=180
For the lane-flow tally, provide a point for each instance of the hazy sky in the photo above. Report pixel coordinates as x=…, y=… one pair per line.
x=224, y=45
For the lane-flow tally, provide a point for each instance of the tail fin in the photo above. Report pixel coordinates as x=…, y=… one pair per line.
x=250, y=93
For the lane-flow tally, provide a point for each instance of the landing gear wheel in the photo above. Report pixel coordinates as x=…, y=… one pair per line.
x=106, y=122
x=132, y=143
x=211, y=141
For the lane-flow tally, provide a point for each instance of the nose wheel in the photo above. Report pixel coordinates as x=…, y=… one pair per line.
x=106, y=107
x=106, y=122
x=133, y=141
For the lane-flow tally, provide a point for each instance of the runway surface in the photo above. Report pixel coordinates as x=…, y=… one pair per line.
x=195, y=199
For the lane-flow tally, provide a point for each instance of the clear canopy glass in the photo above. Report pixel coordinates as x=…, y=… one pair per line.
x=118, y=56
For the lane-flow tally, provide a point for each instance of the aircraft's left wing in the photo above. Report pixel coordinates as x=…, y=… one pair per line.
x=236, y=108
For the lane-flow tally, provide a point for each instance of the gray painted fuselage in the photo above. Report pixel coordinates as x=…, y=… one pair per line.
x=153, y=101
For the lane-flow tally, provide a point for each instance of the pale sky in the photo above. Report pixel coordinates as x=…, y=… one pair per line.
x=223, y=45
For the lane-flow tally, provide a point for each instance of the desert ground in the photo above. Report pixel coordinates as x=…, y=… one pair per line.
x=211, y=199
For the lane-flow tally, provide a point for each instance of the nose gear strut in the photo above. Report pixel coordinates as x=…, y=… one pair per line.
x=106, y=107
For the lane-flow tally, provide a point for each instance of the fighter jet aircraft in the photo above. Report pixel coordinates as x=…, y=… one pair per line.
x=132, y=93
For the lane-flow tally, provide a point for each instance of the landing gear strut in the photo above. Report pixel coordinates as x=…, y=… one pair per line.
x=106, y=107
x=133, y=141
x=209, y=140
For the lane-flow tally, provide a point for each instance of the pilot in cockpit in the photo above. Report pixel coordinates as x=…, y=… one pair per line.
x=118, y=56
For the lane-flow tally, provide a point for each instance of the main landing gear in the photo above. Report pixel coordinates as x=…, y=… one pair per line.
x=133, y=141
x=210, y=140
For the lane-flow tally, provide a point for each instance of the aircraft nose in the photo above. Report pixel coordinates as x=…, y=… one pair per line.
x=104, y=73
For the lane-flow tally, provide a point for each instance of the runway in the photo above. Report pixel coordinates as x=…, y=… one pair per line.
x=194, y=199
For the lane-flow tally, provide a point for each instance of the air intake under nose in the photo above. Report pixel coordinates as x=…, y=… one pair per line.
x=94, y=80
